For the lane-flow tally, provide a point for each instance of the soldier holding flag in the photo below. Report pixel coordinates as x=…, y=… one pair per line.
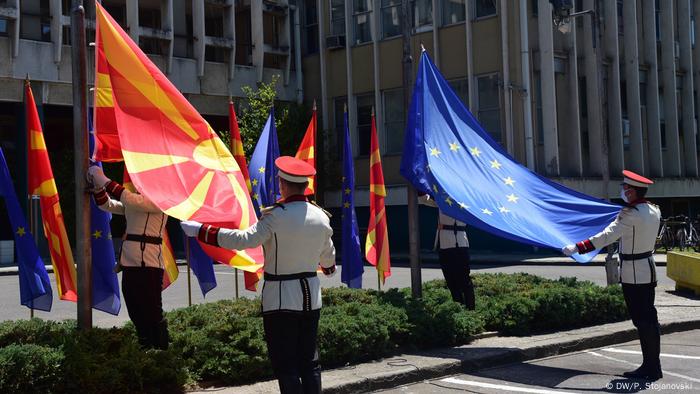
x=296, y=236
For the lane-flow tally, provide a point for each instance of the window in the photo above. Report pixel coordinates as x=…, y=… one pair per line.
x=657, y=19
x=490, y=105
x=362, y=17
x=484, y=8
x=150, y=17
x=3, y=27
x=310, y=27
x=337, y=17
x=620, y=18
x=36, y=21
x=337, y=140
x=391, y=18
x=422, y=13
x=452, y=12
x=461, y=88
x=365, y=103
x=394, y=120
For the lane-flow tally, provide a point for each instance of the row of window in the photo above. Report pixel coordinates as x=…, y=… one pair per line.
x=394, y=118
x=391, y=20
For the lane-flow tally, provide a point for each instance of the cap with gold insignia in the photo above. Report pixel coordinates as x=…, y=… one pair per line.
x=636, y=180
x=294, y=170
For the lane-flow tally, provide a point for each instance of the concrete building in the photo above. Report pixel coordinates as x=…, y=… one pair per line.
x=533, y=88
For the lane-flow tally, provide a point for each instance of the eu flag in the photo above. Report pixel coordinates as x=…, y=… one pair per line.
x=34, y=284
x=105, y=285
x=351, y=273
x=450, y=156
x=262, y=170
x=202, y=265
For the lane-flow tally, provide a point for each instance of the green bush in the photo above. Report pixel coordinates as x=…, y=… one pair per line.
x=223, y=342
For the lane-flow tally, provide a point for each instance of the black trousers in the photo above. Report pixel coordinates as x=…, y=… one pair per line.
x=640, y=305
x=141, y=287
x=455, y=267
x=292, y=346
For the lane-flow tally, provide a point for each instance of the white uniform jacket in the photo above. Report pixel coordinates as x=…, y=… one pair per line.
x=451, y=233
x=296, y=238
x=144, y=220
x=636, y=227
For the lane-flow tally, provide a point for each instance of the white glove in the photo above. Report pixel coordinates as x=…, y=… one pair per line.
x=97, y=177
x=569, y=249
x=190, y=227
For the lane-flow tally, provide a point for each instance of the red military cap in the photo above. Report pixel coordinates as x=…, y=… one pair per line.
x=294, y=170
x=637, y=180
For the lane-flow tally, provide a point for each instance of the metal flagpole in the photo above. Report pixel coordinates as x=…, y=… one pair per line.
x=379, y=281
x=189, y=276
x=413, y=239
x=32, y=228
x=83, y=257
x=233, y=149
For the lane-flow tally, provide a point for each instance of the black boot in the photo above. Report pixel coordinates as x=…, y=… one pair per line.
x=641, y=372
x=653, y=361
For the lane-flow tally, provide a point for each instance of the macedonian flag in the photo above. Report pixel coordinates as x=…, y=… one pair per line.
x=307, y=151
x=377, y=243
x=42, y=184
x=172, y=154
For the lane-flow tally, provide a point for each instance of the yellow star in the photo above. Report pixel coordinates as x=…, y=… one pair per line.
x=463, y=205
x=454, y=146
x=475, y=151
x=346, y=205
x=486, y=211
x=495, y=164
x=503, y=209
x=20, y=231
x=509, y=181
x=435, y=189
x=513, y=198
x=256, y=196
x=254, y=182
x=434, y=152
x=97, y=234
x=261, y=170
x=347, y=190
x=448, y=201
x=343, y=179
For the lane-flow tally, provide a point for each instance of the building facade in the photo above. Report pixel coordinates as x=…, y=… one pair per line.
x=549, y=94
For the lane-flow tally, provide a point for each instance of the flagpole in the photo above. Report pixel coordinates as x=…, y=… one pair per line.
x=32, y=228
x=379, y=280
x=189, y=277
x=83, y=256
x=233, y=149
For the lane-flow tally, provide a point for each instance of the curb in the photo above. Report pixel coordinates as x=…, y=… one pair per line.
x=497, y=357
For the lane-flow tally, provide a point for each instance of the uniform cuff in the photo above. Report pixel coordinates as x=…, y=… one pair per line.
x=100, y=197
x=115, y=189
x=585, y=246
x=209, y=234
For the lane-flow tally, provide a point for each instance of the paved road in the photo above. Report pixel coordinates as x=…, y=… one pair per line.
x=595, y=370
x=176, y=295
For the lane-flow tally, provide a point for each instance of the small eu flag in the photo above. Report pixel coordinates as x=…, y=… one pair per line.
x=352, y=269
x=262, y=170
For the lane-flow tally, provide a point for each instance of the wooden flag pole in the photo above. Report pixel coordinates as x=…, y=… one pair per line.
x=189, y=276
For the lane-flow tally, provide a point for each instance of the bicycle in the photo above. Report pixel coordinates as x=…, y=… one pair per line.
x=665, y=238
x=693, y=240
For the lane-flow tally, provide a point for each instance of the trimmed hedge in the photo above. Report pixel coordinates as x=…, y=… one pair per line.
x=223, y=342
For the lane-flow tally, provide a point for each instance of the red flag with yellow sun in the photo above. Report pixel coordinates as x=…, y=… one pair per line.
x=172, y=154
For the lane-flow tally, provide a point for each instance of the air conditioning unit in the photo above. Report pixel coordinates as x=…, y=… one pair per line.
x=335, y=42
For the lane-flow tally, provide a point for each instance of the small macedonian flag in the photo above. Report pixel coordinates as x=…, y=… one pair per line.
x=172, y=154
x=42, y=184
x=377, y=243
x=307, y=151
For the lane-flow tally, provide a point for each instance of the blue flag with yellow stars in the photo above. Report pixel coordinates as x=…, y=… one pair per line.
x=34, y=284
x=202, y=265
x=263, y=173
x=105, y=285
x=352, y=268
x=448, y=155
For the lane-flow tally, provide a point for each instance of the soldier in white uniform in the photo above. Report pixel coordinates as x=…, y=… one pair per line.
x=451, y=238
x=296, y=237
x=636, y=227
x=140, y=258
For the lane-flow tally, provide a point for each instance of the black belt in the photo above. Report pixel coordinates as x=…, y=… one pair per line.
x=300, y=275
x=144, y=238
x=454, y=228
x=632, y=257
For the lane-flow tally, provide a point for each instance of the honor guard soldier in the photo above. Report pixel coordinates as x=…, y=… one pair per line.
x=296, y=237
x=140, y=258
x=636, y=227
x=451, y=239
